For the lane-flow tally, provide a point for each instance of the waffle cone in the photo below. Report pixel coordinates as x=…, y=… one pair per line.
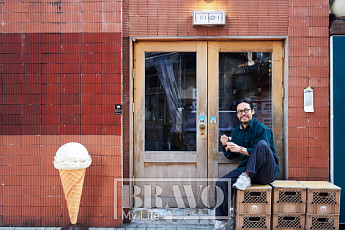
x=72, y=183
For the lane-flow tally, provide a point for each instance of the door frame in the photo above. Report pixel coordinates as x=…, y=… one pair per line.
x=127, y=185
x=216, y=47
x=192, y=157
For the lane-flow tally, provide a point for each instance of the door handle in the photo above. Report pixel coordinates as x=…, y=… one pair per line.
x=202, y=127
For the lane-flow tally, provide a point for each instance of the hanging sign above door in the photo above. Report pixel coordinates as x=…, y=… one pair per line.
x=209, y=18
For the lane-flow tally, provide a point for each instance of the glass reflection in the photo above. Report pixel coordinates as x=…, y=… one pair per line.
x=244, y=75
x=170, y=101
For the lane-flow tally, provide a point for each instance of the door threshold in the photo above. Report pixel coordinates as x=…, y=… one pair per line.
x=202, y=216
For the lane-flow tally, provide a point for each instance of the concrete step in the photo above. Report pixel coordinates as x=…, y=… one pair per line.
x=186, y=216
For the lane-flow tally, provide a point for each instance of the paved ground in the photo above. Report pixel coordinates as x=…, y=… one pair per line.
x=127, y=227
x=141, y=221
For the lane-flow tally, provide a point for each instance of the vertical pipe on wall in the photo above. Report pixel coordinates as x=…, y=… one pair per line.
x=286, y=110
x=131, y=121
x=331, y=147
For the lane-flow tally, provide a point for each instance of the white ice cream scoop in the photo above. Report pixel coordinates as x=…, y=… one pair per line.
x=72, y=156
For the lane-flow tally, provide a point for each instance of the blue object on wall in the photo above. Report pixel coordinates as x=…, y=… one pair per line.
x=339, y=117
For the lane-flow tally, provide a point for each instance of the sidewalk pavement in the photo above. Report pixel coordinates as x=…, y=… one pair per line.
x=127, y=227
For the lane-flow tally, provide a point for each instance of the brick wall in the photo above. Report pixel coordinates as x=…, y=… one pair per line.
x=60, y=66
x=174, y=18
x=36, y=16
x=60, y=83
x=308, y=65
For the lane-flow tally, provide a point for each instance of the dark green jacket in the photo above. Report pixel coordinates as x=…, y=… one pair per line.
x=248, y=138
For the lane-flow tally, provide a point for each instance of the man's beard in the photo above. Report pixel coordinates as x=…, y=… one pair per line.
x=245, y=122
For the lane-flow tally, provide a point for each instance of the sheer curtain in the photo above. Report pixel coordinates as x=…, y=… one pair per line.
x=165, y=72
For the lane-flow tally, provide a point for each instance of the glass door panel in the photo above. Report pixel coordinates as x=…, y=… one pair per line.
x=244, y=75
x=170, y=101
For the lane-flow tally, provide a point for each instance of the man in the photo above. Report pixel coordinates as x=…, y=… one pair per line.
x=253, y=141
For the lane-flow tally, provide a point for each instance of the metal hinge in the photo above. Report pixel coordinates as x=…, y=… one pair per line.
x=133, y=73
x=133, y=108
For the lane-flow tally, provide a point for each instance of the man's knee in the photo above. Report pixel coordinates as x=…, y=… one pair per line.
x=262, y=144
x=263, y=147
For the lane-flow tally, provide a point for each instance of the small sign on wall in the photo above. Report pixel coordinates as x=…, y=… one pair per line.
x=209, y=18
x=118, y=109
x=308, y=100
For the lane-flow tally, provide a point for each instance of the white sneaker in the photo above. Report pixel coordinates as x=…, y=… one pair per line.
x=243, y=181
x=223, y=224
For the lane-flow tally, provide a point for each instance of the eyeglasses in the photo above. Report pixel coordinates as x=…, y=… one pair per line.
x=239, y=112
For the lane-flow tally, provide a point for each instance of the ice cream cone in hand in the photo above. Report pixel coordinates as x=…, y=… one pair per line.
x=71, y=160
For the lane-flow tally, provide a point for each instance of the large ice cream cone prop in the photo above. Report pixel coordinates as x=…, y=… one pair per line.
x=72, y=183
x=71, y=160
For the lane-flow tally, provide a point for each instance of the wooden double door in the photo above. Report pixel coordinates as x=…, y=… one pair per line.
x=185, y=94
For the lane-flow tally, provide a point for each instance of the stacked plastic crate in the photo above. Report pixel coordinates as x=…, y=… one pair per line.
x=252, y=207
x=323, y=205
x=289, y=205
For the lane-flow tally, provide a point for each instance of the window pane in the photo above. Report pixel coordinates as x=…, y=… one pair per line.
x=170, y=101
x=244, y=75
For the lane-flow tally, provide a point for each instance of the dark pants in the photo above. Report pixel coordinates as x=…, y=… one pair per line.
x=262, y=168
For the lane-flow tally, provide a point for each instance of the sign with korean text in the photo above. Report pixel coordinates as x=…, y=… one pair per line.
x=208, y=18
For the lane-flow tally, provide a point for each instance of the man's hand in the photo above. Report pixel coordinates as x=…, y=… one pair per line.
x=236, y=148
x=233, y=147
x=224, y=139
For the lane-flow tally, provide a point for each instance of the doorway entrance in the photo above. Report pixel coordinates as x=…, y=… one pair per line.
x=185, y=94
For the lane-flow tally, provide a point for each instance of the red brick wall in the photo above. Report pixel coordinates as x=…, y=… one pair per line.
x=36, y=16
x=60, y=83
x=174, y=18
x=308, y=65
x=60, y=76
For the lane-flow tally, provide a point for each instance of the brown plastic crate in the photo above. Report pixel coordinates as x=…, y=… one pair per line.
x=329, y=209
x=322, y=197
x=288, y=221
x=253, y=221
x=289, y=208
x=288, y=197
x=255, y=199
x=322, y=221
